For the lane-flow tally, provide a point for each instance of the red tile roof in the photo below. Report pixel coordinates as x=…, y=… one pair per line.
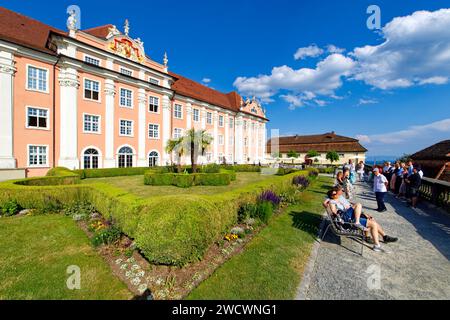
x=17, y=28
x=320, y=143
x=99, y=32
x=438, y=151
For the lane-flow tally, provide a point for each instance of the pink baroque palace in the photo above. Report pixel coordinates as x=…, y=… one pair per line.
x=94, y=99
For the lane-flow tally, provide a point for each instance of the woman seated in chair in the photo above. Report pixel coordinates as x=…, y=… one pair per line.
x=353, y=214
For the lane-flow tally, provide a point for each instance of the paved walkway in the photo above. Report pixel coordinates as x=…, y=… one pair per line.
x=416, y=267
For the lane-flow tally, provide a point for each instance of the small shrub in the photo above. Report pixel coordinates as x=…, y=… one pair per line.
x=270, y=196
x=78, y=210
x=10, y=208
x=211, y=168
x=246, y=211
x=300, y=181
x=290, y=195
x=264, y=211
x=106, y=236
x=313, y=172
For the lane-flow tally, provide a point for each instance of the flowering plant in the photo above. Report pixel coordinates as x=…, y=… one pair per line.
x=300, y=181
x=270, y=196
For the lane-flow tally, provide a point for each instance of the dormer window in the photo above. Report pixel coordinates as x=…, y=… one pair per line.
x=126, y=72
x=91, y=60
x=153, y=81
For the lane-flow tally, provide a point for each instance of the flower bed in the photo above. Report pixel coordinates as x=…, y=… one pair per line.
x=168, y=229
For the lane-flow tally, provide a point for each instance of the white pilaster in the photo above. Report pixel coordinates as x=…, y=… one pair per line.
x=216, y=137
x=239, y=140
x=227, y=135
x=188, y=116
x=7, y=71
x=142, y=128
x=68, y=82
x=249, y=140
x=110, y=92
x=256, y=136
x=166, y=127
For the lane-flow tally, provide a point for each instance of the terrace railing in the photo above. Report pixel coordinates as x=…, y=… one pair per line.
x=436, y=192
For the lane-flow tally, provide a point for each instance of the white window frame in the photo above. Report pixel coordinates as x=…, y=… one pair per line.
x=132, y=128
x=120, y=98
x=210, y=118
x=99, y=123
x=131, y=72
x=87, y=56
x=220, y=139
x=37, y=128
x=194, y=115
x=173, y=133
x=100, y=156
x=158, y=131
x=159, y=104
x=209, y=156
x=230, y=140
x=175, y=111
x=46, y=165
x=99, y=90
x=221, y=123
x=155, y=80
x=37, y=84
x=231, y=122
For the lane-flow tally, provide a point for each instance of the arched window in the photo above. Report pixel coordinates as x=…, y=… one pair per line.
x=90, y=159
x=153, y=159
x=125, y=157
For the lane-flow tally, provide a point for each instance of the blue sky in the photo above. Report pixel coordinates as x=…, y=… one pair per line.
x=395, y=96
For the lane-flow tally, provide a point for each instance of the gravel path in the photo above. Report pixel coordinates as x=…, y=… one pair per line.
x=416, y=267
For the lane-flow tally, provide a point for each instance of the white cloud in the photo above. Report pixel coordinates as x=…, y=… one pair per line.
x=416, y=51
x=407, y=135
x=323, y=80
x=310, y=51
x=206, y=80
x=331, y=48
x=367, y=101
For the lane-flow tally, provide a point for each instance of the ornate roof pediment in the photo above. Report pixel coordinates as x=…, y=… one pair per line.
x=128, y=48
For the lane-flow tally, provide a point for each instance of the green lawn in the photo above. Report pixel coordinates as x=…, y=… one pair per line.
x=273, y=262
x=135, y=185
x=35, y=252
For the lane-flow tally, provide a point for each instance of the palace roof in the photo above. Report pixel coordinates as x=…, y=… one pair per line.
x=320, y=143
x=438, y=151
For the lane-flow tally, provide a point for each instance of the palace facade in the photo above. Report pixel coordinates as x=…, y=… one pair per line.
x=94, y=99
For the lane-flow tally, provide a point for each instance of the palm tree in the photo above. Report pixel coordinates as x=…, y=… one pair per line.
x=197, y=142
x=177, y=145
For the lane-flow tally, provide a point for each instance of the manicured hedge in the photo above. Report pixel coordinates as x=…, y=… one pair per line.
x=242, y=168
x=169, y=230
x=110, y=172
x=223, y=178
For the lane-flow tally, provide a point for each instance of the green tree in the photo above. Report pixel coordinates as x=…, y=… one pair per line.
x=312, y=154
x=179, y=147
x=292, y=154
x=197, y=142
x=332, y=156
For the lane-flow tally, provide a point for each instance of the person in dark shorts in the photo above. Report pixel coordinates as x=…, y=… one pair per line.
x=414, y=182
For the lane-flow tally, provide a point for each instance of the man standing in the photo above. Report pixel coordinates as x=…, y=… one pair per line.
x=414, y=181
x=380, y=184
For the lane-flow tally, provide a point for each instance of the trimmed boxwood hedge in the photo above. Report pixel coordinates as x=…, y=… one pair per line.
x=223, y=178
x=110, y=172
x=168, y=230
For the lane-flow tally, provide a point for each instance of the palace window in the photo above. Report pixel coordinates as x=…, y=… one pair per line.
x=209, y=118
x=90, y=60
x=196, y=115
x=125, y=157
x=153, y=131
x=153, y=104
x=37, y=118
x=153, y=81
x=91, y=123
x=220, y=140
x=91, y=90
x=246, y=142
x=178, y=111
x=220, y=121
x=126, y=72
x=153, y=159
x=231, y=123
x=90, y=159
x=126, y=98
x=37, y=156
x=177, y=133
x=208, y=156
x=245, y=124
x=230, y=140
x=126, y=128
x=37, y=79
